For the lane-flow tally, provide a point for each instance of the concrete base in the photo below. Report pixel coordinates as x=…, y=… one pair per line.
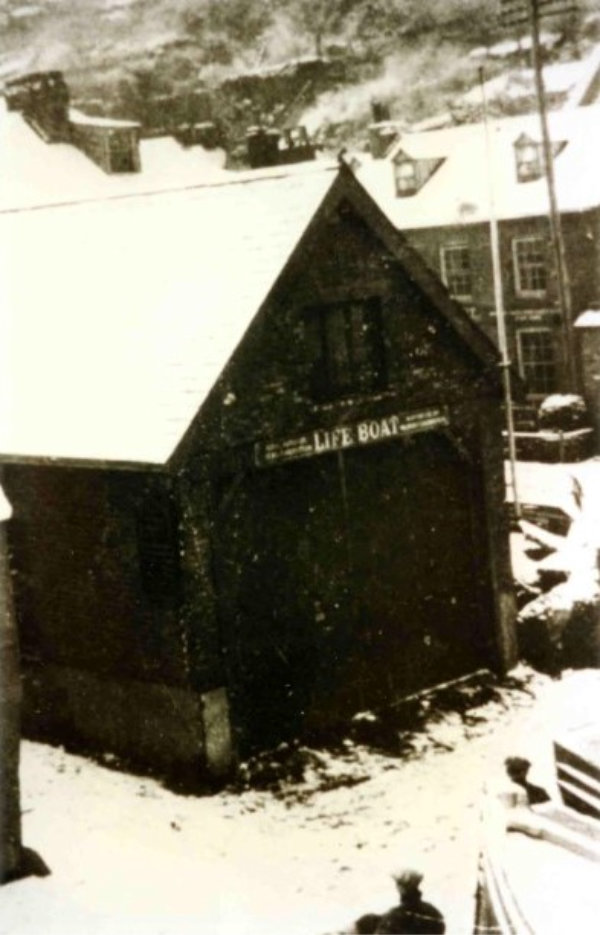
x=163, y=728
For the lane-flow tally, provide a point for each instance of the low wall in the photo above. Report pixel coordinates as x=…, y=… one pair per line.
x=553, y=447
x=162, y=729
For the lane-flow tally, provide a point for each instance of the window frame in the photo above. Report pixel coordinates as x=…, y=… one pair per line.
x=520, y=290
x=529, y=170
x=406, y=185
x=157, y=537
x=446, y=274
x=536, y=329
x=326, y=384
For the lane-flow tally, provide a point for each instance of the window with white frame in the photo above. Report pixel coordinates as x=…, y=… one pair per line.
x=530, y=265
x=405, y=173
x=537, y=361
x=456, y=270
x=529, y=159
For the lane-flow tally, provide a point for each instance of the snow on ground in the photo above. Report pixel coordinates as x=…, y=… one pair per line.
x=552, y=485
x=574, y=488
x=129, y=857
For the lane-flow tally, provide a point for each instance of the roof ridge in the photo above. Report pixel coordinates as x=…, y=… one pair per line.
x=146, y=193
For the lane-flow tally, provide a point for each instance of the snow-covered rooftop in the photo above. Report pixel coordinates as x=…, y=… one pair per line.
x=459, y=191
x=570, y=80
x=78, y=117
x=119, y=314
x=34, y=173
x=588, y=319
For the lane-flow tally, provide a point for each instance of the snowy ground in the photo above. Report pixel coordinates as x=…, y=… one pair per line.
x=129, y=857
x=552, y=484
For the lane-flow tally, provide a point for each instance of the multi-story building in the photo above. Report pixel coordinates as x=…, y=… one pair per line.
x=443, y=188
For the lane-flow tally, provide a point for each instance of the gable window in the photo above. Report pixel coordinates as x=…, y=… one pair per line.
x=529, y=159
x=537, y=363
x=405, y=173
x=347, y=348
x=456, y=270
x=530, y=267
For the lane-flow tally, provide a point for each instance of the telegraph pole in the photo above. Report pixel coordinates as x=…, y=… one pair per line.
x=516, y=12
x=10, y=701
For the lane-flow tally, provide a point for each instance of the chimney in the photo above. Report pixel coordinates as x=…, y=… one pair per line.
x=381, y=138
x=295, y=146
x=380, y=111
x=114, y=145
x=43, y=99
x=262, y=147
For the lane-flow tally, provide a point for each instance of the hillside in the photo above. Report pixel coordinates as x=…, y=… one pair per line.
x=235, y=62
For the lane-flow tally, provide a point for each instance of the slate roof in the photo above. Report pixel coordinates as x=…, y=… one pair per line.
x=459, y=191
x=118, y=315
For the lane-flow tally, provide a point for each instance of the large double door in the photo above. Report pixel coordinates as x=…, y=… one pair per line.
x=350, y=579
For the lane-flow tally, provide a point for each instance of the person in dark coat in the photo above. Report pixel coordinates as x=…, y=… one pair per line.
x=517, y=768
x=412, y=915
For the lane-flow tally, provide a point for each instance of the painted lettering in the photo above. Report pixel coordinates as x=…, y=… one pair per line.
x=374, y=431
x=386, y=431
x=362, y=433
x=347, y=436
x=322, y=441
x=336, y=438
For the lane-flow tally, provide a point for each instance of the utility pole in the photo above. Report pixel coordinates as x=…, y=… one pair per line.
x=518, y=12
x=499, y=303
x=10, y=700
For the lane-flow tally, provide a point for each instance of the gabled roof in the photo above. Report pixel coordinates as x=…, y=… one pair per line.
x=459, y=191
x=119, y=316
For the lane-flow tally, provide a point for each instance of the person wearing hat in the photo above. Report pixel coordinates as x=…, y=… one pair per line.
x=518, y=768
x=413, y=914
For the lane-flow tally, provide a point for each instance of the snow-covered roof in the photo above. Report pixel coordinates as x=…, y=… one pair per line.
x=558, y=79
x=78, y=117
x=572, y=80
x=118, y=315
x=34, y=173
x=512, y=46
x=588, y=319
x=459, y=191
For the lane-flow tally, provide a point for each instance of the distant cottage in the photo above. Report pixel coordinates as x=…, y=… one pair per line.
x=254, y=453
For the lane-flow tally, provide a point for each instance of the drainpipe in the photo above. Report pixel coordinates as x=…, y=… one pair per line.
x=499, y=303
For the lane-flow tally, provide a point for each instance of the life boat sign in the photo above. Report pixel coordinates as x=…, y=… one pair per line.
x=350, y=435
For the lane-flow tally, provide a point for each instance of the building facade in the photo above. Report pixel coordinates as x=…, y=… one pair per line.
x=312, y=524
x=445, y=188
